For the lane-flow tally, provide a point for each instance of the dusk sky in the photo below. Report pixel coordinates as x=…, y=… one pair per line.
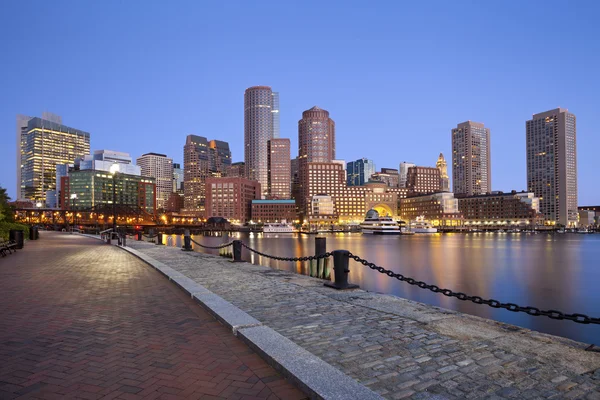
x=395, y=76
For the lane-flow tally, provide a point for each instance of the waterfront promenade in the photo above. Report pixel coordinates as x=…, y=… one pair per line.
x=396, y=347
x=80, y=319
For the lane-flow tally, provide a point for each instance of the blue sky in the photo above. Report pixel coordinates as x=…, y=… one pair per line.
x=395, y=76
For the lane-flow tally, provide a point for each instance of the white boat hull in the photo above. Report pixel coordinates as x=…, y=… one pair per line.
x=424, y=230
x=381, y=231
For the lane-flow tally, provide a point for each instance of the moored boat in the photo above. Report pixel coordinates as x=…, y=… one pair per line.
x=375, y=224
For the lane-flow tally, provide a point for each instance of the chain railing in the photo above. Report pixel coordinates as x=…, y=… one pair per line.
x=222, y=246
x=533, y=311
x=293, y=259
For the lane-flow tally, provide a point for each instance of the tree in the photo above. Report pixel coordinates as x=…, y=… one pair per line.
x=6, y=211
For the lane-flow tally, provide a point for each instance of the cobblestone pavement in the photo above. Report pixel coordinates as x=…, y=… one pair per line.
x=80, y=319
x=396, y=347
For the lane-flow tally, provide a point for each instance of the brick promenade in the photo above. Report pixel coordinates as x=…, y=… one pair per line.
x=80, y=319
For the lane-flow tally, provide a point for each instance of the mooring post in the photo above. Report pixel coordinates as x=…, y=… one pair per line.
x=124, y=239
x=139, y=236
x=159, y=238
x=341, y=270
x=320, y=249
x=237, y=251
x=187, y=241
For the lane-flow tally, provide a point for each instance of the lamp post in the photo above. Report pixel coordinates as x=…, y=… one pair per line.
x=73, y=197
x=114, y=170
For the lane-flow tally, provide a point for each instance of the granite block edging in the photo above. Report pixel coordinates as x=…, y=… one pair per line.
x=314, y=376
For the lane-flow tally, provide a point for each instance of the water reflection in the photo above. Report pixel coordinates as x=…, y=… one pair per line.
x=547, y=271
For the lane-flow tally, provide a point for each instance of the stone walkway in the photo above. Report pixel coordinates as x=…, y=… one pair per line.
x=80, y=319
x=396, y=347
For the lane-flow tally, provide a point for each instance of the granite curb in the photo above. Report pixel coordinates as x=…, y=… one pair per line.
x=314, y=376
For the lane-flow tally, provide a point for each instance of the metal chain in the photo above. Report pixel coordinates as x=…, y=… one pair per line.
x=553, y=314
x=213, y=247
x=307, y=258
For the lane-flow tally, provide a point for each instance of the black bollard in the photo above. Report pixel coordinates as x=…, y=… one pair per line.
x=139, y=236
x=108, y=237
x=124, y=239
x=320, y=249
x=187, y=241
x=237, y=251
x=341, y=270
x=159, y=238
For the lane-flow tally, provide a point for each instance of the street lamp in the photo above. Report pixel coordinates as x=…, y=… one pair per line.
x=73, y=197
x=114, y=170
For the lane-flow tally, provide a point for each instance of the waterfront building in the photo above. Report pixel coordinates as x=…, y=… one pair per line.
x=403, y=173
x=237, y=169
x=258, y=130
x=273, y=211
x=94, y=188
x=177, y=178
x=498, y=209
x=316, y=144
x=43, y=144
x=552, y=164
x=444, y=179
x=423, y=180
x=279, y=164
x=220, y=157
x=588, y=218
x=440, y=209
x=231, y=198
x=471, y=159
x=322, y=209
x=62, y=171
x=175, y=202
x=359, y=172
x=159, y=167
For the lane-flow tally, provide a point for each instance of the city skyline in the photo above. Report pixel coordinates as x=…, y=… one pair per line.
x=392, y=126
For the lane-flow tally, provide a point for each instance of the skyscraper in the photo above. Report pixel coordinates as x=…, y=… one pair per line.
x=196, y=168
x=444, y=179
x=279, y=176
x=316, y=143
x=159, y=167
x=471, y=159
x=552, y=164
x=43, y=145
x=258, y=130
x=275, y=114
x=220, y=157
x=359, y=172
x=403, y=173
x=177, y=178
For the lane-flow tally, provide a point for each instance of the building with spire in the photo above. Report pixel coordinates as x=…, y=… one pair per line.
x=444, y=179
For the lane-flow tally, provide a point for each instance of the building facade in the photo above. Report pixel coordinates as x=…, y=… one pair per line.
x=258, y=130
x=552, y=164
x=104, y=160
x=231, y=198
x=440, y=209
x=278, y=160
x=499, y=209
x=267, y=211
x=275, y=114
x=316, y=143
x=444, y=179
x=403, y=173
x=389, y=176
x=45, y=144
x=423, y=180
x=220, y=157
x=159, y=167
x=359, y=172
x=196, y=169
x=237, y=169
x=177, y=178
x=471, y=159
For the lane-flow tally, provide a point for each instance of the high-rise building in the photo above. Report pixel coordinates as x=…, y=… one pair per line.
x=279, y=168
x=196, y=168
x=552, y=164
x=389, y=176
x=177, y=179
x=359, y=172
x=444, y=179
x=403, y=172
x=231, y=198
x=423, y=180
x=43, y=145
x=159, y=167
x=316, y=143
x=471, y=159
x=237, y=169
x=103, y=160
x=275, y=114
x=220, y=157
x=258, y=130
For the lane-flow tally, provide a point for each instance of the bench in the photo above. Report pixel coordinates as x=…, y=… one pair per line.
x=7, y=246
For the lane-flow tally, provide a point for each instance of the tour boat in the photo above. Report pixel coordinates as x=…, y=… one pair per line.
x=379, y=225
x=421, y=226
x=279, y=227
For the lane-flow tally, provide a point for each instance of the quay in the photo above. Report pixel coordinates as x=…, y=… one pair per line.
x=62, y=308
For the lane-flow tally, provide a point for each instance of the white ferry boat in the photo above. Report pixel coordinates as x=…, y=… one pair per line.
x=421, y=226
x=279, y=227
x=376, y=225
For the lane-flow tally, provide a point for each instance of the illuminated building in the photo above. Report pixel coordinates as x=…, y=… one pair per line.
x=237, y=169
x=499, y=209
x=471, y=159
x=389, y=176
x=220, y=157
x=444, y=179
x=273, y=211
x=403, y=172
x=423, y=180
x=43, y=145
x=278, y=159
x=552, y=164
x=177, y=178
x=231, y=198
x=159, y=167
x=441, y=209
x=359, y=172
